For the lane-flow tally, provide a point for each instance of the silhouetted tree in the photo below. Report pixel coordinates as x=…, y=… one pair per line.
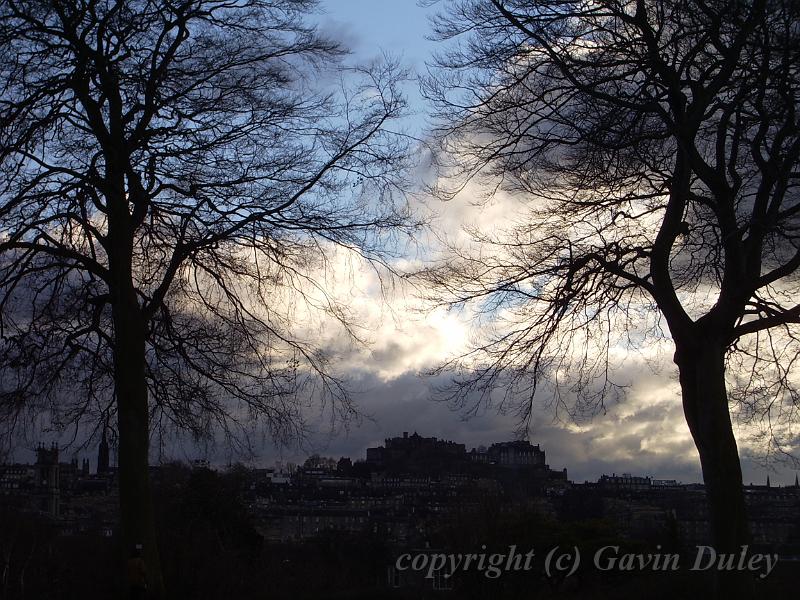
x=175, y=172
x=656, y=143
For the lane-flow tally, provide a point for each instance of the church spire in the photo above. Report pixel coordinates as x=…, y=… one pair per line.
x=102, y=452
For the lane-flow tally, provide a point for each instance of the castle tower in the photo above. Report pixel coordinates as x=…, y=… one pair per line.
x=47, y=479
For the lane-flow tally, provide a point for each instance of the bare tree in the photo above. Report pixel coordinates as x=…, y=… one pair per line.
x=657, y=143
x=174, y=172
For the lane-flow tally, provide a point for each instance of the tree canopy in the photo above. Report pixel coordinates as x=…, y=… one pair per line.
x=221, y=142
x=176, y=174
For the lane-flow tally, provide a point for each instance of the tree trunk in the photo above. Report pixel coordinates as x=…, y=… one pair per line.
x=130, y=386
x=701, y=368
x=136, y=505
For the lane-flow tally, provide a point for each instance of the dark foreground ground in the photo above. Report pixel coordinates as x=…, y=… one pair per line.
x=211, y=549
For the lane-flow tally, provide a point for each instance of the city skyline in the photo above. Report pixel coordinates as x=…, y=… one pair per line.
x=578, y=472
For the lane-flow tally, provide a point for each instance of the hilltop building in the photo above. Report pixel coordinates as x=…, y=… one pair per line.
x=414, y=448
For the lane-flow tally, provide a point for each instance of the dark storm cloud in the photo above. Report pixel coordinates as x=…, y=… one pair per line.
x=341, y=32
x=609, y=443
x=643, y=434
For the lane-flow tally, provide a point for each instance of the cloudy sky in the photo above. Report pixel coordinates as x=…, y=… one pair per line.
x=644, y=434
